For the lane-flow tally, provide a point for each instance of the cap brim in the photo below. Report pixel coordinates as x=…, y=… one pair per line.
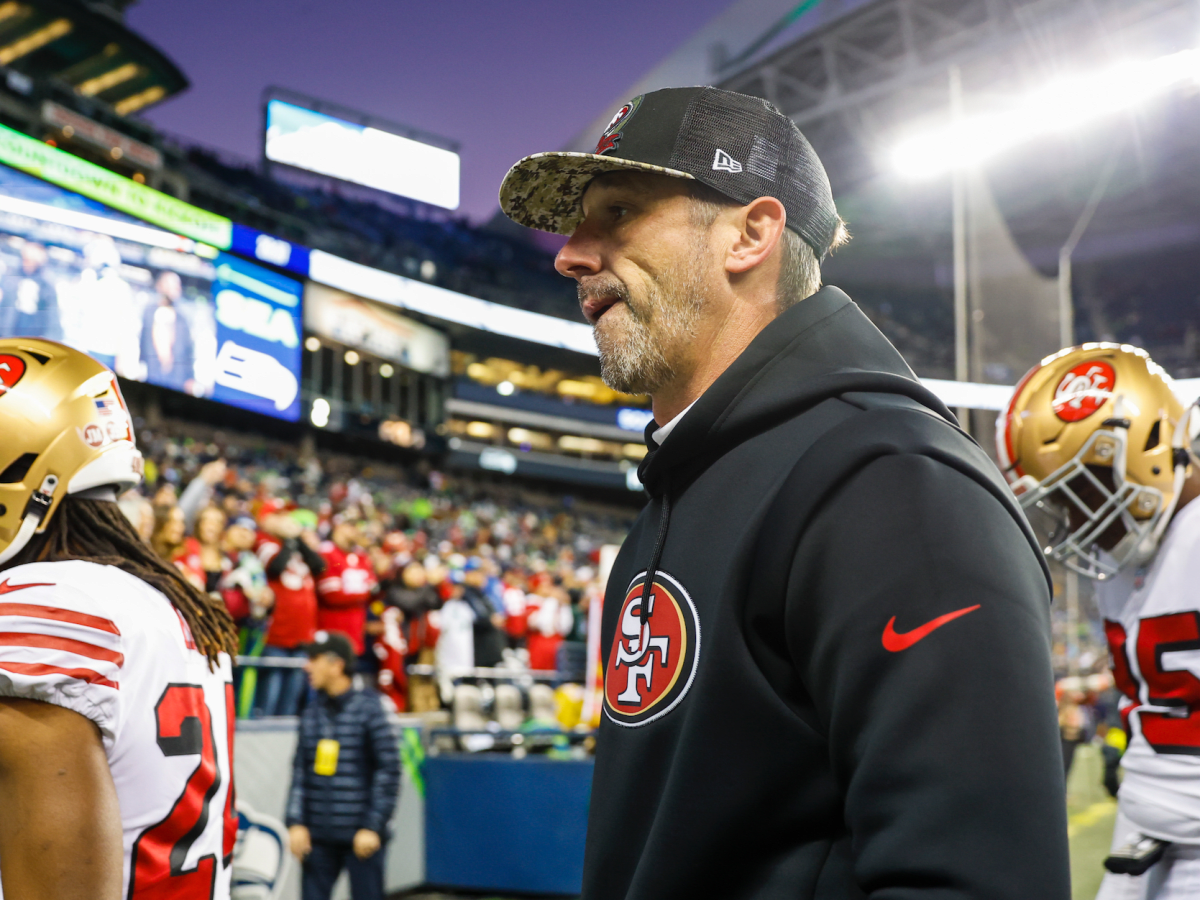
x=544, y=191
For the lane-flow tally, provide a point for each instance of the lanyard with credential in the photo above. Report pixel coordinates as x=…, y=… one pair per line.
x=326, y=760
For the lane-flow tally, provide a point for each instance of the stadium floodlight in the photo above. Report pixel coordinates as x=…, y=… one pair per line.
x=320, y=412
x=1058, y=107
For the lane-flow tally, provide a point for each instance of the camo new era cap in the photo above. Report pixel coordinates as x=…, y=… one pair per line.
x=739, y=145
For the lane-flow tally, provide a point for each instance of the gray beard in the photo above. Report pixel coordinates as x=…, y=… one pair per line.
x=641, y=354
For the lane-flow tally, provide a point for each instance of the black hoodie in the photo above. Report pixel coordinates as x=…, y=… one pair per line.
x=842, y=687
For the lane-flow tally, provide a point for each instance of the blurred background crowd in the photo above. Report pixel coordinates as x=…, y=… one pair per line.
x=448, y=576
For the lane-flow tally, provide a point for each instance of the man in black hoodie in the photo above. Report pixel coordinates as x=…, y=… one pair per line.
x=840, y=684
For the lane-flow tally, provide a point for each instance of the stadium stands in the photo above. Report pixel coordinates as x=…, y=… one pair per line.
x=436, y=247
x=522, y=565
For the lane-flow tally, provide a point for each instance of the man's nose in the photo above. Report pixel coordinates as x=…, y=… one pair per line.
x=579, y=256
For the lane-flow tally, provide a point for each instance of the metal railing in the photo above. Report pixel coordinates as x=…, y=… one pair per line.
x=482, y=672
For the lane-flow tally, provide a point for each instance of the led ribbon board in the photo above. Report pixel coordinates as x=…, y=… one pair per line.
x=23, y=152
x=396, y=290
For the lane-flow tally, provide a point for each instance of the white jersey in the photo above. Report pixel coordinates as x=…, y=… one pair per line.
x=1152, y=620
x=105, y=644
x=456, y=639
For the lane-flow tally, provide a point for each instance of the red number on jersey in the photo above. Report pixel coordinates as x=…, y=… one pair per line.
x=156, y=866
x=1117, y=640
x=1178, y=688
x=231, y=819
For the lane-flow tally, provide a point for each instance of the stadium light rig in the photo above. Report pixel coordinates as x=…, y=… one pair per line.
x=1058, y=107
x=320, y=412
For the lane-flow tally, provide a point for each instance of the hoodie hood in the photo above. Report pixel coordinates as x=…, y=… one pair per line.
x=798, y=360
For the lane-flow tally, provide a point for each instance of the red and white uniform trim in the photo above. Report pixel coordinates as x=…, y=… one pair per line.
x=49, y=652
x=1152, y=621
x=106, y=645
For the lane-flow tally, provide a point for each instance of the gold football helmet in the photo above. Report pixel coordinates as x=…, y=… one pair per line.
x=64, y=429
x=1095, y=437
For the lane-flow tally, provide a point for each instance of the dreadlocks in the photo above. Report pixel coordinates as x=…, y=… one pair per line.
x=96, y=531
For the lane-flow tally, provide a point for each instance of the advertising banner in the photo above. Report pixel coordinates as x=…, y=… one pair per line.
x=151, y=305
x=258, y=338
x=350, y=320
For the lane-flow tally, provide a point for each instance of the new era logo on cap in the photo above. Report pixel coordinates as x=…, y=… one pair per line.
x=723, y=162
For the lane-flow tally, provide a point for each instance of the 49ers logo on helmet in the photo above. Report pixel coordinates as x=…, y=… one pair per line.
x=11, y=370
x=652, y=662
x=1083, y=390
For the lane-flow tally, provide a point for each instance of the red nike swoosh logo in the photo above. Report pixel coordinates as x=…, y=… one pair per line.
x=897, y=642
x=6, y=588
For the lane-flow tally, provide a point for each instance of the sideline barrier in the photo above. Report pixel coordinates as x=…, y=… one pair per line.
x=494, y=823
x=262, y=753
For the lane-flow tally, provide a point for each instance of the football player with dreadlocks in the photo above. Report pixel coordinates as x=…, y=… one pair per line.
x=1096, y=444
x=116, y=695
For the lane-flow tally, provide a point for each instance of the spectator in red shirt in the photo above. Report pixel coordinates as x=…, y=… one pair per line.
x=291, y=564
x=415, y=599
x=550, y=619
x=346, y=587
x=243, y=585
x=516, y=613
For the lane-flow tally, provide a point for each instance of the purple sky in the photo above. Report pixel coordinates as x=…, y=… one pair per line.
x=503, y=78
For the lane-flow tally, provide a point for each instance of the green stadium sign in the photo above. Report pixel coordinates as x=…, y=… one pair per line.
x=58, y=167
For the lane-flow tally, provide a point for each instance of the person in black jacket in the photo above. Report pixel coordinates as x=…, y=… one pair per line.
x=488, y=627
x=345, y=778
x=844, y=598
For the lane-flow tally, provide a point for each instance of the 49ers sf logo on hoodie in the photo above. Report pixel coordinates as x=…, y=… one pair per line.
x=654, y=653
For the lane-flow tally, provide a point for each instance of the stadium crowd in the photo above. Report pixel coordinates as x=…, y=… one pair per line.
x=388, y=233
x=426, y=571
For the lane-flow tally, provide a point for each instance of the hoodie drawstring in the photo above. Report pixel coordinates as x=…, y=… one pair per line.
x=664, y=521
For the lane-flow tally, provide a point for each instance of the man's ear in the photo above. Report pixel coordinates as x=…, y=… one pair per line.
x=759, y=225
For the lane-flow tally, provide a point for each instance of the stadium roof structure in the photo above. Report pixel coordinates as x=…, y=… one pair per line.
x=698, y=59
x=87, y=47
x=861, y=82
x=855, y=82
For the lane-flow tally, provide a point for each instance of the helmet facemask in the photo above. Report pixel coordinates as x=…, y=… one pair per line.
x=1086, y=507
x=1102, y=520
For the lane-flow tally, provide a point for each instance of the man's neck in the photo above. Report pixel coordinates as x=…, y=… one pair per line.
x=710, y=358
x=339, y=687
